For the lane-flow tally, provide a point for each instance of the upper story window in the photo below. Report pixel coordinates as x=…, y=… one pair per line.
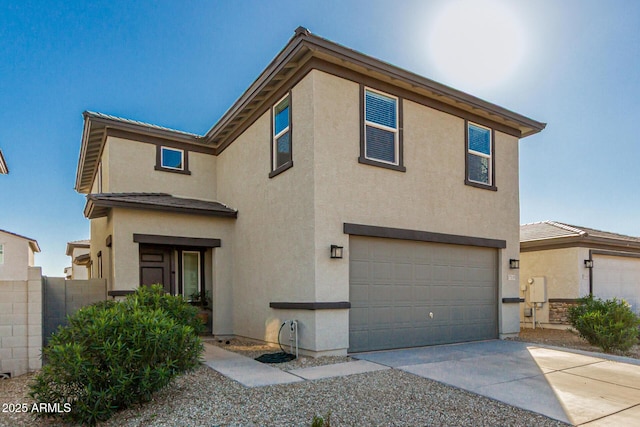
x=171, y=159
x=281, y=158
x=480, y=158
x=1, y=253
x=381, y=143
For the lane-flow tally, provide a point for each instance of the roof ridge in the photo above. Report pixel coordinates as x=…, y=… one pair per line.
x=568, y=227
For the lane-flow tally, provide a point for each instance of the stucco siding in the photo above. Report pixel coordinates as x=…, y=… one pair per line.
x=126, y=253
x=273, y=249
x=429, y=196
x=136, y=172
x=564, y=273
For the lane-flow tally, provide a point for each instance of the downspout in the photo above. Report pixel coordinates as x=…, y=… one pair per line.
x=591, y=273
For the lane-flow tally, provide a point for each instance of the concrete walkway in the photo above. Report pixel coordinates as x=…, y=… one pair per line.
x=251, y=373
x=579, y=388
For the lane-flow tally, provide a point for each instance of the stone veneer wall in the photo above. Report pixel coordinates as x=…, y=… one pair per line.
x=21, y=324
x=559, y=310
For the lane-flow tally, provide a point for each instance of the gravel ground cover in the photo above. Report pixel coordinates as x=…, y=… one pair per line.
x=384, y=398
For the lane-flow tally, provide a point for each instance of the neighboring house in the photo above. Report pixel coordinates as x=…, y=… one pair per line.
x=16, y=255
x=20, y=305
x=3, y=165
x=560, y=263
x=377, y=207
x=79, y=252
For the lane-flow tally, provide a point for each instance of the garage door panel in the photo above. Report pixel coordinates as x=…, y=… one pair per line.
x=617, y=277
x=416, y=293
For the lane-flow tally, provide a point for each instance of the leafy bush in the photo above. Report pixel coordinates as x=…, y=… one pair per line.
x=114, y=354
x=610, y=324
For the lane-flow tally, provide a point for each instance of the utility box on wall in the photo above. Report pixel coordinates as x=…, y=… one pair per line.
x=537, y=289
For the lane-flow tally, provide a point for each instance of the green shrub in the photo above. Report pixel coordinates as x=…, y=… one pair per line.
x=112, y=355
x=610, y=324
x=154, y=297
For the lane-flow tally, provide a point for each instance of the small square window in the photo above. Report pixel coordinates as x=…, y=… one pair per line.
x=169, y=159
x=172, y=158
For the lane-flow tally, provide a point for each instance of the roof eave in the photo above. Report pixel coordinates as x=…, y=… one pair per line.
x=4, y=169
x=304, y=41
x=96, y=126
x=578, y=241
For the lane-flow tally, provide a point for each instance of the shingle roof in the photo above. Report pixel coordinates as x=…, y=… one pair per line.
x=32, y=242
x=98, y=204
x=543, y=232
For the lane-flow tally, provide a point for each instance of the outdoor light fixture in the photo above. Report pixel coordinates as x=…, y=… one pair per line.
x=514, y=264
x=588, y=263
x=336, y=251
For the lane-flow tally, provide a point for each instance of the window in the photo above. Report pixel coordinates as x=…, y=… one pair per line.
x=381, y=143
x=281, y=137
x=480, y=158
x=1, y=254
x=190, y=274
x=171, y=159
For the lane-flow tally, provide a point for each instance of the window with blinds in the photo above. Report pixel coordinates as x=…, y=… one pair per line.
x=381, y=127
x=479, y=161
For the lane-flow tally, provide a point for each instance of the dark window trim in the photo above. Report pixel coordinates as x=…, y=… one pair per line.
x=310, y=305
x=289, y=164
x=155, y=239
x=367, y=161
x=185, y=160
x=492, y=186
x=421, y=236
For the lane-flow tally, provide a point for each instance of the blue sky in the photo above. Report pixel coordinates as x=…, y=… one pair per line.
x=573, y=64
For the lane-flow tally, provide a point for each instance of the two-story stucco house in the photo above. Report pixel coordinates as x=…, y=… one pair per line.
x=377, y=207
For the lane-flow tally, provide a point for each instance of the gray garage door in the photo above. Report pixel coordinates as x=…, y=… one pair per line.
x=408, y=294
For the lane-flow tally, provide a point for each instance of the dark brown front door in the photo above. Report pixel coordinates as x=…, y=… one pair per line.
x=156, y=266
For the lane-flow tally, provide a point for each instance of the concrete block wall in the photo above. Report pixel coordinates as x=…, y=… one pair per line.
x=21, y=324
x=64, y=297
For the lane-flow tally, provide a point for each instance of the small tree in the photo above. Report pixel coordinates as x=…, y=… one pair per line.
x=610, y=324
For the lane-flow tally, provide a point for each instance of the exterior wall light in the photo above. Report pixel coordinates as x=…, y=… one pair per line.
x=588, y=263
x=336, y=251
x=514, y=264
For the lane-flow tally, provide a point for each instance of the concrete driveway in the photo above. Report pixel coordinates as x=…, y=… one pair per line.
x=579, y=388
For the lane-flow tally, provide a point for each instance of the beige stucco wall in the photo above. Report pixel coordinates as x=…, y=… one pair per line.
x=21, y=323
x=101, y=228
x=429, y=196
x=79, y=272
x=129, y=166
x=18, y=257
x=565, y=278
x=274, y=232
x=125, y=252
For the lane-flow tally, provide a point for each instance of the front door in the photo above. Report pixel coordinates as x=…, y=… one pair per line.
x=156, y=266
